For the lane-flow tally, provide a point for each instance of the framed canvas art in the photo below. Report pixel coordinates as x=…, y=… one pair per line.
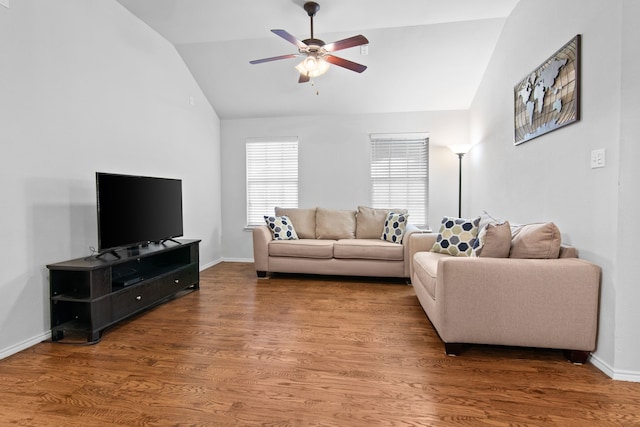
x=549, y=97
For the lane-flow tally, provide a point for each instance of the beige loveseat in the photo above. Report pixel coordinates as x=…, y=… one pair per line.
x=333, y=242
x=515, y=301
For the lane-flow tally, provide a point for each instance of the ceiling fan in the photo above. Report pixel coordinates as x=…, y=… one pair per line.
x=317, y=53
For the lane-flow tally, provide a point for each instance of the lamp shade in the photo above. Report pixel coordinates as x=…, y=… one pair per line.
x=460, y=149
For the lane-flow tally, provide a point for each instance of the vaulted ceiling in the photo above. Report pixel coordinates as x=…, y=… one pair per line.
x=423, y=55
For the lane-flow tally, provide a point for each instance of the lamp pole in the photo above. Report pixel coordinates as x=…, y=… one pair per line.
x=460, y=151
x=460, y=155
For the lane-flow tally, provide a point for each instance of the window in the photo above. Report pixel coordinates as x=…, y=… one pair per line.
x=272, y=176
x=399, y=173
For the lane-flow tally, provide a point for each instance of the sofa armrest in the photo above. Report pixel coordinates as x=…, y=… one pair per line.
x=530, y=302
x=419, y=242
x=410, y=231
x=261, y=238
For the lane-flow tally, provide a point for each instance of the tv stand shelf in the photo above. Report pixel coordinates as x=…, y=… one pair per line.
x=88, y=295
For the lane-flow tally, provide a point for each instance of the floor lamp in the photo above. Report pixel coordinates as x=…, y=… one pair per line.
x=460, y=151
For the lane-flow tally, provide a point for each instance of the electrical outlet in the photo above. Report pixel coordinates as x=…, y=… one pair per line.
x=364, y=49
x=597, y=158
x=5, y=3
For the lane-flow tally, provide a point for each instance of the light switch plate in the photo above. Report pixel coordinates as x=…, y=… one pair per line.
x=597, y=158
x=5, y=3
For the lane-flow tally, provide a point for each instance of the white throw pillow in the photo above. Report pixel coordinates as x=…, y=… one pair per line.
x=281, y=227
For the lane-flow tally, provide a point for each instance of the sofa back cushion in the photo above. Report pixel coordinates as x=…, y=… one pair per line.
x=335, y=224
x=567, y=251
x=370, y=221
x=494, y=241
x=538, y=241
x=303, y=220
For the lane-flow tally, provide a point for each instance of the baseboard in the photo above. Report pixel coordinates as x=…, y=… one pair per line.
x=16, y=348
x=210, y=264
x=219, y=260
x=616, y=374
x=238, y=259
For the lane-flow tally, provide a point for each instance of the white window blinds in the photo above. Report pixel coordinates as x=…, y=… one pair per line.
x=399, y=173
x=272, y=176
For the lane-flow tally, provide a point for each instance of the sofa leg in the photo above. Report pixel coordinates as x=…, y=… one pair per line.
x=577, y=356
x=454, y=348
x=261, y=273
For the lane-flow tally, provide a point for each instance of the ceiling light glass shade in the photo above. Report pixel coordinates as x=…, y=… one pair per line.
x=313, y=66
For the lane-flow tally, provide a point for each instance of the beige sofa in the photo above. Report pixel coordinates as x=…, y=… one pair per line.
x=546, y=303
x=333, y=242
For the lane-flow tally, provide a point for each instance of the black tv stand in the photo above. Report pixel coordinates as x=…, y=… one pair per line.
x=88, y=295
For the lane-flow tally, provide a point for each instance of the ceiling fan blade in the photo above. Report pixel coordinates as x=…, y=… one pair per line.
x=346, y=43
x=288, y=37
x=304, y=78
x=345, y=63
x=274, y=58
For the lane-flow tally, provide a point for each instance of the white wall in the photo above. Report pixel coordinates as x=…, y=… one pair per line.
x=627, y=353
x=549, y=178
x=86, y=87
x=334, y=163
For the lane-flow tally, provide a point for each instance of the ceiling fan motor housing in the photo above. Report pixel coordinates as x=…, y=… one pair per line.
x=313, y=42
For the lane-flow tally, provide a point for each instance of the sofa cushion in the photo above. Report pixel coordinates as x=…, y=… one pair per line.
x=494, y=241
x=540, y=241
x=394, y=227
x=425, y=266
x=303, y=248
x=281, y=227
x=368, y=249
x=335, y=224
x=370, y=221
x=456, y=236
x=304, y=220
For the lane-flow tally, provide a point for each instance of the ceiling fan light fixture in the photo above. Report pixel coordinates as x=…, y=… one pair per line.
x=317, y=55
x=312, y=66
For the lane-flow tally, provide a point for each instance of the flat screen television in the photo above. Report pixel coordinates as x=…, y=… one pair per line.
x=136, y=210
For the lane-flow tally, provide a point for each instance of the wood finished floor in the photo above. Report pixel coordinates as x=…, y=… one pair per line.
x=299, y=351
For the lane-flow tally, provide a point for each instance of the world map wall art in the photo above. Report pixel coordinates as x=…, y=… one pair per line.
x=549, y=97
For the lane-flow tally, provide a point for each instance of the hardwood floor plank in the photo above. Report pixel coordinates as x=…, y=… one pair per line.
x=294, y=350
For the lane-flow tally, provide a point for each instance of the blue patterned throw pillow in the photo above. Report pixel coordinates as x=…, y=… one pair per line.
x=394, y=227
x=281, y=227
x=456, y=236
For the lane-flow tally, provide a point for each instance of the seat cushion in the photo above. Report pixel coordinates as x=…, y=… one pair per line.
x=368, y=249
x=303, y=248
x=425, y=267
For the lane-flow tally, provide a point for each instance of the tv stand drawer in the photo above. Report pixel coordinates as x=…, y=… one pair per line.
x=137, y=297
